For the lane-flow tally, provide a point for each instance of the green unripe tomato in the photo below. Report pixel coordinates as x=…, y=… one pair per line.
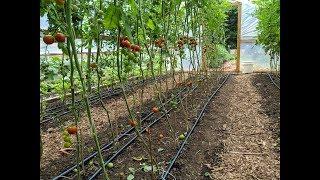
x=67, y=145
x=182, y=137
x=67, y=139
x=91, y=163
x=110, y=165
x=65, y=133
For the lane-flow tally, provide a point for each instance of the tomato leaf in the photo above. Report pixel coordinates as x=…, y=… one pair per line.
x=112, y=17
x=127, y=28
x=150, y=24
x=130, y=177
x=134, y=7
x=147, y=168
x=132, y=170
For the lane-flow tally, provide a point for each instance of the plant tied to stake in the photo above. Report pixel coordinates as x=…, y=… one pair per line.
x=145, y=37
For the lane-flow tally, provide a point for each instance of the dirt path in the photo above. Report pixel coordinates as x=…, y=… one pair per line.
x=239, y=136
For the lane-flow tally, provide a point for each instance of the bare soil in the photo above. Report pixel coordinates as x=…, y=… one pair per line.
x=239, y=135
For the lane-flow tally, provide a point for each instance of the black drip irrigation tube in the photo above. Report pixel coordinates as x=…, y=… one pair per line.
x=166, y=173
x=109, y=90
x=135, y=137
x=94, y=99
x=273, y=81
x=122, y=135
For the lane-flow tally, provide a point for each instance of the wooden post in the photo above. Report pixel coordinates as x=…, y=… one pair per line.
x=238, y=37
x=203, y=53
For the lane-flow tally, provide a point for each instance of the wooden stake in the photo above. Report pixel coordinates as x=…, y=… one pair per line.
x=238, y=37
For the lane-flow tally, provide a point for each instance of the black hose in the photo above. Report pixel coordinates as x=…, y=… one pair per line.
x=164, y=176
x=122, y=135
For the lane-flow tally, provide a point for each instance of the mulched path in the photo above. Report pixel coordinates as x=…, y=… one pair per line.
x=239, y=135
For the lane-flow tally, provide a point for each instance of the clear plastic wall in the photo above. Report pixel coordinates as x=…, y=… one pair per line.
x=254, y=53
x=249, y=51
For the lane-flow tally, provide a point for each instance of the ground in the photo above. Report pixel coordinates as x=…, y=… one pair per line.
x=238, y=138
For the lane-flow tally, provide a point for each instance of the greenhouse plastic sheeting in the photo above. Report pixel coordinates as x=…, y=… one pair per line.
x=249, y=51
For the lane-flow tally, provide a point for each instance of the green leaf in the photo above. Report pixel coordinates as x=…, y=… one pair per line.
x=130, y=177
x=150, y=24
x=127, y=28
x=132, y=170
x=134, y=7
x=112, y=17
x=207, y=174
x=147, y=168
x=154, y=168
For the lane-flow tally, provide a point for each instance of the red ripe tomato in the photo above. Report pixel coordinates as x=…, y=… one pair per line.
x=124, y=38
x=48, y=39
x=60, y=37
x=135, y=48
x=125, y=43
x=133, y=123
x=138, y=48
x=155, y=110
x=72, y=130
x=160, y=136
x=60, y=2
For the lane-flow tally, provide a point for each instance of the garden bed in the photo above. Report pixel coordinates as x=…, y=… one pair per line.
x=178, y=119
x=238, y=137
x=52, y=162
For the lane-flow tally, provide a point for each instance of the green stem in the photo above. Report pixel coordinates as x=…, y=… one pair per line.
x=88, y=65
x=84, y=94
x=73, y=107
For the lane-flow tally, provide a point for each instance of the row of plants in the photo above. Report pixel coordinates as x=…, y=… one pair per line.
x=55, y=73
x=268, y=14
x=147, y=37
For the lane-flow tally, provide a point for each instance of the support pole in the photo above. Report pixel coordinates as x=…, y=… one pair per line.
x=238, y=37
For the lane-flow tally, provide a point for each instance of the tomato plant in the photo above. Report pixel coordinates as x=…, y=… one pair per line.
x=106, y=42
